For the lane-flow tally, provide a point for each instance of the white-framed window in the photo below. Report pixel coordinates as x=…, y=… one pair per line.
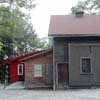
x=20, y=69
x=37, y=70
x=85, y=65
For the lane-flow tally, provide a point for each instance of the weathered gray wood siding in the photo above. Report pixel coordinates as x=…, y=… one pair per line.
x=60, y=51
x=60, y=55
x=96, y=64
x=69, y=50
x=78, y=50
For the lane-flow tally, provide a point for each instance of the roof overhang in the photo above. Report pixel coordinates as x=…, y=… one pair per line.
x=73, y=35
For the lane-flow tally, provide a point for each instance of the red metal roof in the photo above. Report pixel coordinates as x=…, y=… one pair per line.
x=73, y=26
x=35, y=53
x=39, y=54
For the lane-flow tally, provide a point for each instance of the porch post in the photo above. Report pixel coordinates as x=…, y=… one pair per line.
x=54, y=69
x=54, y=74
x=54, y=79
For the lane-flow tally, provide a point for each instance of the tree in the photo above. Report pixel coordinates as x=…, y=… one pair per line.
x=42, y=44
x=17, y=34
x=5, y=31
x=88, y=6
x=14, y=27
x=27, y=4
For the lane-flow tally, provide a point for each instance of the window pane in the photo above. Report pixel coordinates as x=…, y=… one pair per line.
x=37, y=70
x=86, y=65
x=20, y=69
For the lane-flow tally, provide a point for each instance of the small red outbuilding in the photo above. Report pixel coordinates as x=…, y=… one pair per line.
x=17, y=67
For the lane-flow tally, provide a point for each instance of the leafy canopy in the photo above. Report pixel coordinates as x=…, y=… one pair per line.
x=27, y=4
x=88, y=6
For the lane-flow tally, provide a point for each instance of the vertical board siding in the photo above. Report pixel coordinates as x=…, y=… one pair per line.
x=60, y=50
x=60, y=55
x=76, y=77
x=39, y=82
x=49, y=74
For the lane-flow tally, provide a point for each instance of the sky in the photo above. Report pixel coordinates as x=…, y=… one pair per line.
x=44, y=9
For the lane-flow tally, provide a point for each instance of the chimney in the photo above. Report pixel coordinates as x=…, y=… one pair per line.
x=79, y=13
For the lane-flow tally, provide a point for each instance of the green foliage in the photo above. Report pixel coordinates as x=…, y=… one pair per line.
x=88, y=6
x=5, y=31
x=43, y=44
x=17, y=35
x=1, y=45
x=13, y=25
x=27, y=4
x=30, y=43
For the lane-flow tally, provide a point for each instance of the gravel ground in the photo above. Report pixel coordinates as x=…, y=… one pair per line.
x=16, y=91
x=71, y=94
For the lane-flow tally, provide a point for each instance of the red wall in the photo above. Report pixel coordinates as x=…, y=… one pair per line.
x=14, y=72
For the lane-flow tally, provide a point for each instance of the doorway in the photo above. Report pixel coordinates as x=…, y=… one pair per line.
x=63, y=75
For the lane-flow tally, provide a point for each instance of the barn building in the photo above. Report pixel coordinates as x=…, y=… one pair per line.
x=76, y=50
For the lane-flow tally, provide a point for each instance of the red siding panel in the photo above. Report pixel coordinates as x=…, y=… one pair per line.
x=14, y=77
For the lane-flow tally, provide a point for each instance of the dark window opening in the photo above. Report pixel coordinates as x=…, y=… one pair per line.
x=86, y=65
